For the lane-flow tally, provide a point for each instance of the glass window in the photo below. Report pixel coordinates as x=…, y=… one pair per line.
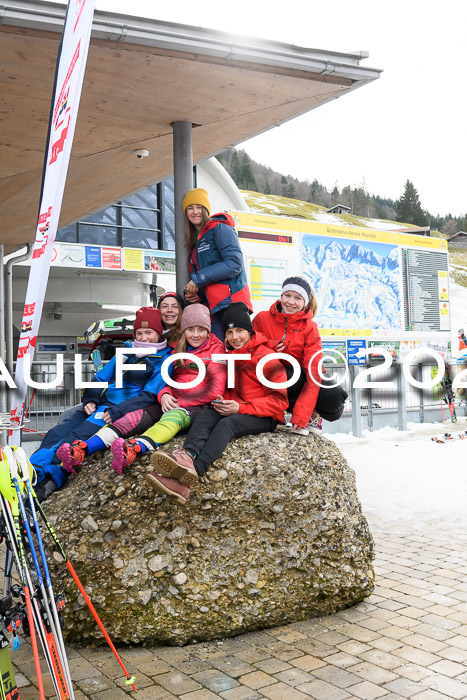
x=135, y=222
x=98, y=235
x=68, y=234
x=137, y=238
x=103, y=217
x=139, y=218
x=146, y=198
x=168, y=217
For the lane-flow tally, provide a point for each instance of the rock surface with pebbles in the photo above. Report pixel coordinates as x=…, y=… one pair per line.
x=273, y=534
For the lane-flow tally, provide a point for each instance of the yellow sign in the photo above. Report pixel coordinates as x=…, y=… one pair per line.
x=262, y=223
x=133, y=259
x=358, y=332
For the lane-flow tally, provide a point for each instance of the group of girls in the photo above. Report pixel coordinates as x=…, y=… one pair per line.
x=215, y=321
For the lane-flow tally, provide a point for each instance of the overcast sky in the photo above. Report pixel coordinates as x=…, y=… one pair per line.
x=409, y=124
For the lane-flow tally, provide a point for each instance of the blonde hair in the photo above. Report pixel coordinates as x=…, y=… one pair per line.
x=181, y=346
x=312, y=304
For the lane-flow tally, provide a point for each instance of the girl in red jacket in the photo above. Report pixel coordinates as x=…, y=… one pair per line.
x=180, y=405
x=289, y=323
x=247, y=409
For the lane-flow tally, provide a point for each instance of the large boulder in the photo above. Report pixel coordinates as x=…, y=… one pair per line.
x=273, y=534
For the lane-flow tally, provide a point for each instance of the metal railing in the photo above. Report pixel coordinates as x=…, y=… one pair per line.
x=400, y=398
x=45, y=406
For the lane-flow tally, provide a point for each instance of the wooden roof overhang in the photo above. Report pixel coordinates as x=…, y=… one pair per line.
x=142, y=75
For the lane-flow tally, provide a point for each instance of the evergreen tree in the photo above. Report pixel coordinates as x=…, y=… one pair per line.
x=291, y=191
x=284, y=185
x=335, y=195
x=408, y=207
x=267, y=187
x=235, y=168
x=247, y=178
x=315, y=192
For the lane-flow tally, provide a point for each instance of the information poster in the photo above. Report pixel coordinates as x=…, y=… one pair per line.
x=112, y=258
x=133, y=259
x=353, y=347
x=93, y=256
x=357, y=283
x=335, y=352
x=266, y=278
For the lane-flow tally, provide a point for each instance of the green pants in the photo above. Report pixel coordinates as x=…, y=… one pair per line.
x=167, y=427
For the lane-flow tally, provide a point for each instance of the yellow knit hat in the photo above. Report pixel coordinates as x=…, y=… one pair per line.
x=197, y=196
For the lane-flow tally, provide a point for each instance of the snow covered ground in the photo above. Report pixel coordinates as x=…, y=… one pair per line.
x=404, y=479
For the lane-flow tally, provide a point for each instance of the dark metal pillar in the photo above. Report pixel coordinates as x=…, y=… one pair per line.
x=183, y=181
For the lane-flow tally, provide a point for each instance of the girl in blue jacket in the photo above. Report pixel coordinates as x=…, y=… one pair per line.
x=215, y=259
x=103, y=405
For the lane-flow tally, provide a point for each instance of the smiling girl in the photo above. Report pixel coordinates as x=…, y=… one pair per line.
x=215, y=259
x=247, y=409
x=171, y=307
x=180, y=405
x=289, y=323
x=107, y=402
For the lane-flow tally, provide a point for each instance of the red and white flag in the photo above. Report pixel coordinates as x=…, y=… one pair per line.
x=69, y=74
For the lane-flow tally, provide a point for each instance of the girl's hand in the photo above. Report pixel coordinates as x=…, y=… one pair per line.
x=192, y=298
x=106, y=418
x=191, y=288
x=280, y=346
x=90, y=408
x=227, y=408
x=168, y=402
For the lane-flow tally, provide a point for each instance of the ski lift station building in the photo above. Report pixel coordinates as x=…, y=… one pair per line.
x=181, y=94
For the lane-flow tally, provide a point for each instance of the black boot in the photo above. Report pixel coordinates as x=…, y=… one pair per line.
x=45, y=489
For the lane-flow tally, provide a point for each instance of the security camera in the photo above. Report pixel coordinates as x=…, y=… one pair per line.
x=141, y=153
x=57, y=316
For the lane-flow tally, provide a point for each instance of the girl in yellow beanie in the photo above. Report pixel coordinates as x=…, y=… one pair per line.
x=215, y=259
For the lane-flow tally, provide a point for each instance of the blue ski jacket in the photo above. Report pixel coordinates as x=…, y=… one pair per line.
x=216, y=264
x=139, y=387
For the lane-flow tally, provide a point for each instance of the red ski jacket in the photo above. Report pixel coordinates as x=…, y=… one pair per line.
x=212, y=385
x=255, y=398
x=300, y=336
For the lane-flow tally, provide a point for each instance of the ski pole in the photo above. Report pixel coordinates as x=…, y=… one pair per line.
x=52, y=631
x=130, y=680
x=14, y=524
x=9, y=496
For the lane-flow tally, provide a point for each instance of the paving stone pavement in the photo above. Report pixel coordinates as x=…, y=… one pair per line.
x=408, y=640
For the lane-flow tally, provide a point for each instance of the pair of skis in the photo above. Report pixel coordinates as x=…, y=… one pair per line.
x=39, y=608
x=450, y=437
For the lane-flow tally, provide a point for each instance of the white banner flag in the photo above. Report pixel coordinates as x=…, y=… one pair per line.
x=69, y=74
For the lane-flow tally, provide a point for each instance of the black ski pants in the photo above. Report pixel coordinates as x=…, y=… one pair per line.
x=210, y=433
x=330, y=403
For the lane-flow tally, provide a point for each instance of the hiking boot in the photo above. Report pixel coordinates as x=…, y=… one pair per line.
x=171, y=487
x=315, y=424
x=179, y=465
x=124, y=452
x=72, y=455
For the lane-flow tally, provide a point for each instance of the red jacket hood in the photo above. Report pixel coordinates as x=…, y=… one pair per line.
x=215, y=219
